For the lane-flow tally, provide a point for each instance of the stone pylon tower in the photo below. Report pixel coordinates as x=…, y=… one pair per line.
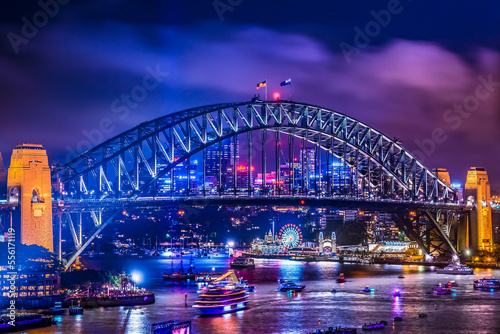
x=3, y=180
x=443, y=175
x=477, y=194
x=28, y=185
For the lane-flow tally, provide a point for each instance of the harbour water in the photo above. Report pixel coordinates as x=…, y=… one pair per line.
x=465, y=311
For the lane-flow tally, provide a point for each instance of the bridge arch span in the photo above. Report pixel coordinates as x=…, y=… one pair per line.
x=131, y=163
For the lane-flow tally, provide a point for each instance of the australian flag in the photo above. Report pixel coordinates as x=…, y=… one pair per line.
x=286, y=82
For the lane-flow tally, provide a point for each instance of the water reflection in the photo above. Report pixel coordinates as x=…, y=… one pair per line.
x=281, y=312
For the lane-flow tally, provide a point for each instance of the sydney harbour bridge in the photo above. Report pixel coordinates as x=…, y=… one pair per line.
x=129, y=171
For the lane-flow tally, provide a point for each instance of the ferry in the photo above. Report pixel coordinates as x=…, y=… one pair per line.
x=456, y=269
x=222, y=299
x=23, y=321
x=242, y=262
x=289, y=286
x=487, y=283
x=442, y=290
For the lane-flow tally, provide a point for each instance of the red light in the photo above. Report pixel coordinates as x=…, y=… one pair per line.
x=302, y=202
x=276, y=96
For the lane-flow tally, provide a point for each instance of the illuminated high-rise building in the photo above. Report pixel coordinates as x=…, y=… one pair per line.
x=477, y=194
x=29, y=186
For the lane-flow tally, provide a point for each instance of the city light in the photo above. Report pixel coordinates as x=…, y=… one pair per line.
x=276, y=96
x=136, y=276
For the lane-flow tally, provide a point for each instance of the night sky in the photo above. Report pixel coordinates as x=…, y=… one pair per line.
x=407, y=76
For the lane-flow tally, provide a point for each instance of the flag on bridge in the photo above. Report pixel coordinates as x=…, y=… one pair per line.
x=286, y=82
x=262, y=84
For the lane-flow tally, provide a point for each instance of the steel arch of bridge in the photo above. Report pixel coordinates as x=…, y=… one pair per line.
x=130, y=164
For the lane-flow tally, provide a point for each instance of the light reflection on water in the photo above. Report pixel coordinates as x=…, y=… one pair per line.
x=280, y=312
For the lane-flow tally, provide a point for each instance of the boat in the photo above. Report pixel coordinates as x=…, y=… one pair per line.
x=244, y=284
x=341, y=279
x=115, y=299
x=337, y=330
x=401, y=276
x=379, y=325
x=56, y=310
x=422, y=315
x=442, y=290
x=367, y=289
x=487, y=283
x=207, y=277
x=397, y=293
x=334, y=290
x=242, y=262
x=23, y=321
x=456, y=269
x=225, y=297
x=74, y=310
x=181, y=275
x=285, y=285
x=452, y=284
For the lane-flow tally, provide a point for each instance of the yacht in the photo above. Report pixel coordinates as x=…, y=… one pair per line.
x=222, y=299
x=456, y=269
x=285, y=285
x=487, y=283
x=242, y=262
x=442, y=290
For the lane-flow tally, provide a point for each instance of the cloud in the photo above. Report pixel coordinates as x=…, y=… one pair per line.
x=402, y=88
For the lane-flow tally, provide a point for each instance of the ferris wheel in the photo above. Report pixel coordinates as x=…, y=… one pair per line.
x=290, y=236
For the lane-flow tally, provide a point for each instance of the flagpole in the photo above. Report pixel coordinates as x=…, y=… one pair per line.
x=266, y=89
x=290, y=92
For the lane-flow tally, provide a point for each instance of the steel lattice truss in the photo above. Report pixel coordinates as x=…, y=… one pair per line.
x=130, y=164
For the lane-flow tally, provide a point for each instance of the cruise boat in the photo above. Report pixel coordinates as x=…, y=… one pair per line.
x=222, y=299
x=242, y=262
x=456, y=269
x=487, y=283
x=286, y=285
x=442, y=290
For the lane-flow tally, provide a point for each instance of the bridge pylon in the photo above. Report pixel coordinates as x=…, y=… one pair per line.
x=29, y=186
x=478, y=196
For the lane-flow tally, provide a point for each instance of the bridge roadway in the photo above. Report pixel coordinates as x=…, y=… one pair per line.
x=345, y=203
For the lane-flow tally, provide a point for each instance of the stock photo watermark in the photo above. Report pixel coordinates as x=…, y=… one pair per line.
x=455, y=116
x=30, y=28
x=223, y=6
x=121, y=106
x=372, y=29
x=11, y=265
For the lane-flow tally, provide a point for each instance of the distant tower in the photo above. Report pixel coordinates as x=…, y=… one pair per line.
x=3, y=180
x=321, y=242
x=334, y=243
x=29, y=186
x=477, y=193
